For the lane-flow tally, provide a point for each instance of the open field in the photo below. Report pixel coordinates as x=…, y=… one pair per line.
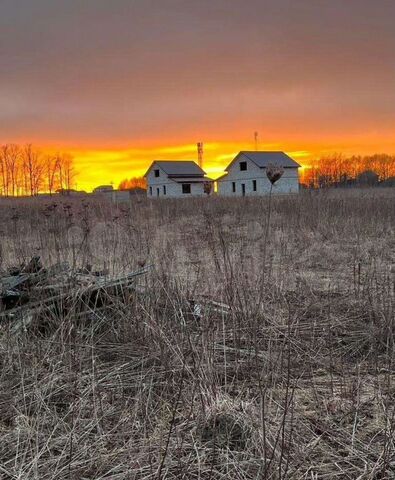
x=260, y=345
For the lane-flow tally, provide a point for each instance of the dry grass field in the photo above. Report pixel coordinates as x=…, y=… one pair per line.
x=257, y=346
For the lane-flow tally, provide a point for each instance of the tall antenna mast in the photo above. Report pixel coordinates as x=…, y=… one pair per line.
x=200, y=153
x=256, y=141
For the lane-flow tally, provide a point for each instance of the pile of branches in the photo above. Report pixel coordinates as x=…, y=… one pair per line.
x=30, y=292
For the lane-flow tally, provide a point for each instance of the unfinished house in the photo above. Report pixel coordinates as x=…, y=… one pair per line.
x=177, y=179
x=246, y=175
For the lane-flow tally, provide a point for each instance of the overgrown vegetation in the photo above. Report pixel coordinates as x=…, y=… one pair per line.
x=240, y=356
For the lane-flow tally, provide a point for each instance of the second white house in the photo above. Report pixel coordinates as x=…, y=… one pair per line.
x=246, y=174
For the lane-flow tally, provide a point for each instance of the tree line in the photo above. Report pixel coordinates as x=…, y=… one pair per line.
x=339, y=170
x=25, y=170
x=132, y=183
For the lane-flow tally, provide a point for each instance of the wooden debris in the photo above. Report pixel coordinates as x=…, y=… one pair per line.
x=35, y=290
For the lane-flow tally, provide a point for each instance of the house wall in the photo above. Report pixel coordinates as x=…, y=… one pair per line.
x=173, y=189
x=288, y=183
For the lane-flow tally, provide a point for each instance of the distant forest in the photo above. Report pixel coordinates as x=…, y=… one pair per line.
x=340, y=171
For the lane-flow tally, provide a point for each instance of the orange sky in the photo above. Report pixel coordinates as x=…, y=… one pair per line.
x=111, y=165
x=121, y=83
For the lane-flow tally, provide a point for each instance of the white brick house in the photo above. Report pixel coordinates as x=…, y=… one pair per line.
x=246, y=175
x=175, y=179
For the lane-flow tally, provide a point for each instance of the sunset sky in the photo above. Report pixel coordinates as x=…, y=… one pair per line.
x=119, y=83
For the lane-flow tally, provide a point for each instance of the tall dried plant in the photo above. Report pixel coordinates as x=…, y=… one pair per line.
x=273, y=173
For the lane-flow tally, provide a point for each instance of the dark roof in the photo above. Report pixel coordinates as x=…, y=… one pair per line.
x=180, y=179
x=103, y=187
x=178, y=167
x=263, y=159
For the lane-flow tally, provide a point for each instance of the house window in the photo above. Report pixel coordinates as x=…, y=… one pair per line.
x=186, y=188
x=150, y=190
x=243, y=166
x=234, y=187
x=254, y=185
x=156, y=173
x=164, y=189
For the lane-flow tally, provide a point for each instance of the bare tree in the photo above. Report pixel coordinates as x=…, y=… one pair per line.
x=13, y=167
x=3, y=170
x=33, y=170
x=66, y=172
x=51, y=171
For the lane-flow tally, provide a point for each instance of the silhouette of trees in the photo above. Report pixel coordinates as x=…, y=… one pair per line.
x=65, y=171
x=25, y=170
x=338, y=170
x=134, y=182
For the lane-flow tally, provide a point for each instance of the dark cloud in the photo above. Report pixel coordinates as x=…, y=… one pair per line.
x=122, y=70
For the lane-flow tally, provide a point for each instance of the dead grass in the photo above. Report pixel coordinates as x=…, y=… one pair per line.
x=287, y=374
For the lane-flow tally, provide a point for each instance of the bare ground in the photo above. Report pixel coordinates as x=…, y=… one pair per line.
x=287, y=373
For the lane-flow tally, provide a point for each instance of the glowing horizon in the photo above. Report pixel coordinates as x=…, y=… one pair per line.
x=114, y=165
x=100, y=165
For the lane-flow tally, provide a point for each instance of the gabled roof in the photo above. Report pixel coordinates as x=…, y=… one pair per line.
x=263, y=159
x=182, y=179
x=178, y=168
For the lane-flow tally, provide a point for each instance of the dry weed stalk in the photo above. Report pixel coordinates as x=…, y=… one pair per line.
x=273, y=173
